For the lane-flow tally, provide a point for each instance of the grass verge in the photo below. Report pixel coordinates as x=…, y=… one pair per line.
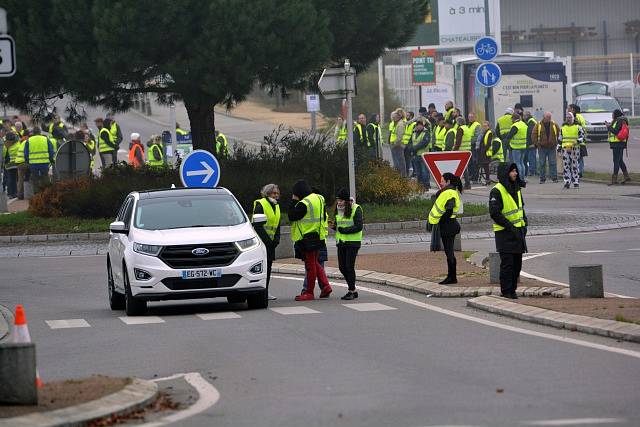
x=412, y=211
x=21, y=223
x=606, y=177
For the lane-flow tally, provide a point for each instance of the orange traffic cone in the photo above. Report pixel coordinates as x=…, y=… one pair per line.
x=21, y=334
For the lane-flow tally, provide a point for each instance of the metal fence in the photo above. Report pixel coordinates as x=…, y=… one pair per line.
x=620, y=71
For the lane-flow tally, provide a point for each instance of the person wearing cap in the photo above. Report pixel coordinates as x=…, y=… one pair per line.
x=136, y=151
x=506, y=208
x=503, y=126
x=348, y=227
x=571, y=135
x=269, y=232
x=442, y=217
x=516, y=139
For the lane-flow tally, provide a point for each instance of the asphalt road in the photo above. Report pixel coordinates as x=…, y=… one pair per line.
x=385, y=359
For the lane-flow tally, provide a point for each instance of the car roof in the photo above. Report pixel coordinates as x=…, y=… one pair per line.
x=177, y=192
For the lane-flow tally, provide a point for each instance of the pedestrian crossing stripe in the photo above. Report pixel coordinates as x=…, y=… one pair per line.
x=294, y=310
x=68, y=323
x=369, y=306
x=219, y=316
x=141, y=320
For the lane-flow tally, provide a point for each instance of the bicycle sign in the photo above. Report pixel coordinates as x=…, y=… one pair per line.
x=486, y=48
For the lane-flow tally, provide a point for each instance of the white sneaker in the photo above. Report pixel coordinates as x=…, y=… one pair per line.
x=271, y=298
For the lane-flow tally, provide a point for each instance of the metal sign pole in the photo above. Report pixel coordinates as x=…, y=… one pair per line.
x=174, y=140
x=633, y=86
x=313, y=122
x=349, y=118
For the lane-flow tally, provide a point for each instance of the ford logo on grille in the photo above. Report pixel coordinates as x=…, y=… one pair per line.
x=200, y=251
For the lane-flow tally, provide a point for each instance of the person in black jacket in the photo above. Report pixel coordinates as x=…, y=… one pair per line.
x=443, y=218
x=618, y=147
x=270, y=194
x=510, y=241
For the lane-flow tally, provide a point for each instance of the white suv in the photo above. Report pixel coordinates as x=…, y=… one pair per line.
x=184, y=244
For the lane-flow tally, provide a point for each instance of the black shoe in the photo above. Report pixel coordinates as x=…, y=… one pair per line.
x=542, y=181
x=576, y=185
x=513, y=296
x=448, y=281
x=566, y=186
x=350, y=295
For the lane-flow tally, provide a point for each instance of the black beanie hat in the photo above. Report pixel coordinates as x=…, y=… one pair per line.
x=343, y=194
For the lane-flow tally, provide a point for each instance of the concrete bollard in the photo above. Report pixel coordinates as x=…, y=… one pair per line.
x=494, y=267
x=4, y=207
x=457, y=243
x=285, y=248
x=18, y=374
x=585, y=281
x=28, y=190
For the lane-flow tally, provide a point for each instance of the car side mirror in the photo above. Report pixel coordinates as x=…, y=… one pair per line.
x=625, y=111
x=259, y=219
x=118, y=227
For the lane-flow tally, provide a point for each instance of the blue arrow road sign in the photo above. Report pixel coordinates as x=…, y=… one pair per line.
x=486, y=48
x=488, y=74
x=200, y=169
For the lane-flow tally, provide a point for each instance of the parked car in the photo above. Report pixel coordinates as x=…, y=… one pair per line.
x=184, y=244
x=590, y=87
x=596, y=109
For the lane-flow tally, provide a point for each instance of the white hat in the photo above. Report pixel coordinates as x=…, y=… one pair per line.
x=509, y=110
x=135, y=136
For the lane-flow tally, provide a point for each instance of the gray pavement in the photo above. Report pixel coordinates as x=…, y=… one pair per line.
x=600, y=157
x=396, y=361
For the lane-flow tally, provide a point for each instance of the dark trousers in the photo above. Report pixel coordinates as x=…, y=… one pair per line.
x=510, y=266
x=447, y=244
x=618, y=162
x=12, y=182
x=347, y=264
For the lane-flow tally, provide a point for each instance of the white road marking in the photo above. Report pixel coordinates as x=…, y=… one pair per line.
x=369, y=306
x=209, y=396
x=485, y=322
x=68, y=323
x=219, y=316
x=69, y=256
x=294, y=310
x=634, y=249
x=596, y=251
x=141, y=320
x=532, y=256
x=574, y=422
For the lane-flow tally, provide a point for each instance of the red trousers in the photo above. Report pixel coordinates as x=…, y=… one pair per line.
x=314, y=270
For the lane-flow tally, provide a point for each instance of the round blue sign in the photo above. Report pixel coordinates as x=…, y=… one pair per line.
x=486, y=48
x=488, y=74
x=200, y=169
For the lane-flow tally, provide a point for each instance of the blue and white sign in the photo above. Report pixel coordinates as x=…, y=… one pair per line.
x=488, y=74
x=200, y=169
x=486, y=48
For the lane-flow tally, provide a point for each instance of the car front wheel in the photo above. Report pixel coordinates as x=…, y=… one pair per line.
x=116, y=299
x=133, y=306
x=258, y=300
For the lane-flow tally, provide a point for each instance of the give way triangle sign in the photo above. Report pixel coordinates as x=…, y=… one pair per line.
x=441, y=162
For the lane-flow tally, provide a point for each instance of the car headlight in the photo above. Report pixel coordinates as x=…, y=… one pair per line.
x=152, y=250
x=248, y=244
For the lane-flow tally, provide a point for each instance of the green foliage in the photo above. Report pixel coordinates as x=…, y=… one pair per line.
x=411, y=210
x=378, y=182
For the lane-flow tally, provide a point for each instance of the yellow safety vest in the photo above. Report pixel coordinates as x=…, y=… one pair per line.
x=342, y=135
x=342, y=221
x=512, y=212
x=20, y=152
x=113, y=131
x=499, y=155
x=408, y=131
x=438, y=209
x=452, y=130
x=392, y=132
x=222, y=146
x=38, y=150
x=440, y=134
x=156, y=157
x=180, y=131
x=467, y=133
x=553, y=128
x=415, y=140
x=362, y=133
x=324, y=220
x=519, y=140
x=448, y=113
x=612, y=136
x=583, y=123
x=570, y=135
x=312, y=220
x=273, y=216
x=505, y=123
x=103, y=147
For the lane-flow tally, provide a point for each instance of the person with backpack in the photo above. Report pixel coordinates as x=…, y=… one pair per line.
x=618, y=138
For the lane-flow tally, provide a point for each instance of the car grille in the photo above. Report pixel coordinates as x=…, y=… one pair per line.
x=178, y=283
x=220, y=255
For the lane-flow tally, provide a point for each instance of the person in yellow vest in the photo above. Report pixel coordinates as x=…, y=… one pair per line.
x=580, y=120
x=571, y=134
x=323, y=255
x=361, y=138
x=12, y=143
x=348, y=226
x=22, y=168
x=115, y=131
x=486, y=151
x=57, y=132
x=530, y=161
x=90, y=143
x=409, y=126
x=107, y=149
x=340, y=131
x=155, y=153
x=222, y=145
x=503, y=126
x=451, y=134
x=396, y=141
x=374, y=135
x=475, y=129
x=618, y=145
x=269, y=232
x=439, y=133
x=449, y=112
x=442, y=218
x=38, y=154
x=464, y=135
x=506, y=208
x=516, y=139
x=420, y=145
x=307, y=215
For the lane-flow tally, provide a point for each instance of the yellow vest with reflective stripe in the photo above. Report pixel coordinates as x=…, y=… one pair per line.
x=20, y=153
x=583, y=124
x=102, y=146
x=324, y=220
x=312, y=221
x=505, y=123
x=448, y=113
x=519, y=140
x=499, y=155
x=38, y=150
x=392, y=132
x=415, y=140
x=438, y=208
x=342, y=221
x=273, y=216
x=13, y=152
x=570, y=135
x=408, y=131
x=156, y=157
x=467, y=133
x=363, y=134
x=342, y=135
x=512, y=212
x=612, y=136
x=452, y=130
x=440, y=133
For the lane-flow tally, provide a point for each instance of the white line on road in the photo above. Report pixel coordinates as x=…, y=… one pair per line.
x=485, y=322
x=369, y=306
x=574, y=422
x=294, y=310
x=141, y=320
x=532, y=256
x=596, y=251
x=219, y=316
x=68, y=323
x=209, y=396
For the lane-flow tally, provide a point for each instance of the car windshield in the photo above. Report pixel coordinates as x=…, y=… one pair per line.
x=188, y=211
x=591, y=88
x=598, y=105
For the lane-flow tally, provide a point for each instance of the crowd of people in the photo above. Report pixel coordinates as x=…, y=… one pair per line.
x=515, y=137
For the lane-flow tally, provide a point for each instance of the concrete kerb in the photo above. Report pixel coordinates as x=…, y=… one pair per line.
x=133, y=397
x=414, y=284
x=6, y=320
x=573, y=322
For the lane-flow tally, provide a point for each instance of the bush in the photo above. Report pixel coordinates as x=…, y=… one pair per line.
x=379, y=183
